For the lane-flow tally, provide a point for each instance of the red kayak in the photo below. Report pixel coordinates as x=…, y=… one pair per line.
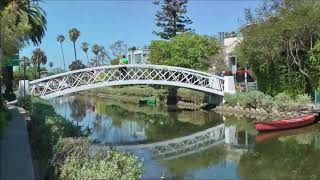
x=288, y=132
x=288, y=123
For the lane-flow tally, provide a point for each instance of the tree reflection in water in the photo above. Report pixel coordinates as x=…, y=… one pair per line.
x=157, y=123
x=215, y=156
x=78, y=109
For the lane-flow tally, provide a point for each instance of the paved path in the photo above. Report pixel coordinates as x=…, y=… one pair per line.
x=16, y=160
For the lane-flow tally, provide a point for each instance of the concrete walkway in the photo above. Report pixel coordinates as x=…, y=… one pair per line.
x=16, y=160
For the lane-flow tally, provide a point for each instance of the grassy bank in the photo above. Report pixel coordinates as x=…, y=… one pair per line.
x=264, y=106
x=50, y=136
x=162, y=94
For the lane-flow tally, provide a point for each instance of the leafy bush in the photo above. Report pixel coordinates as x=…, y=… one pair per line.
x=255, y=98
x=243, y=100
x=25, y=102
x=267, y=102
x=187, y=50
x=189, y=95
x=5, y=116
x=303, y=100
x=76, y=162
x=283, y=102
x=230, y=99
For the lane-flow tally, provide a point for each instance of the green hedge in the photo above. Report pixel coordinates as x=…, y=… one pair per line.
x=5, y=116
x=45, y=129
x=257, y=99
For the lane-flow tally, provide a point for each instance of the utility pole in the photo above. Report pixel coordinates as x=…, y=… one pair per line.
x=246, y=77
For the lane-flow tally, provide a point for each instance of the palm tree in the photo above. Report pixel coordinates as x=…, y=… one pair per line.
x=38, y=57
x=85, y=48
x=74, y=35
x=36, y=19
x=96, y=50
x=50, y=64
x=60, y=39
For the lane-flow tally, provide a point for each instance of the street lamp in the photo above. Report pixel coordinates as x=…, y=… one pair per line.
x=24, y=62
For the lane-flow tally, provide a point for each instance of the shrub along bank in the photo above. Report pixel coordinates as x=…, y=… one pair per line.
x=73, y=160
x=48, y=131
x=256, y=102
x=45, y=129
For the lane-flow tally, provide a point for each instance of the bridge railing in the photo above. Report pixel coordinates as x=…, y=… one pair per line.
x=126, y=74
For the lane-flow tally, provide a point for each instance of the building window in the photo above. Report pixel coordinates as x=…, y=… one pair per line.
x=144, y=55
x=137, y=58
x=232, y=61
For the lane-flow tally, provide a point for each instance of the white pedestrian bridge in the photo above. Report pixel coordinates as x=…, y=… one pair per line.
x=114, y=75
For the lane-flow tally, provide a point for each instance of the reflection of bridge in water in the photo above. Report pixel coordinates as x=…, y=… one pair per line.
x=187, y=145
x=178, y=147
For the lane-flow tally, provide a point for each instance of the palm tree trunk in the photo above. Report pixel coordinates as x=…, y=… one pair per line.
x=87, y=58
x=96, y=60
x=39, y=70
x=64, y=62
x=75, y=52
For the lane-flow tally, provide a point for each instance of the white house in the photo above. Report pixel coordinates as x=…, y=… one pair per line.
x=229, y=45
x=138, y=56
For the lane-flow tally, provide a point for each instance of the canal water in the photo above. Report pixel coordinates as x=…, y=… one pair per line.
x=177, y=144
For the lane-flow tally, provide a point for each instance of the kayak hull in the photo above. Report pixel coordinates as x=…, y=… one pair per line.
x=288, y=132
x=287, y=124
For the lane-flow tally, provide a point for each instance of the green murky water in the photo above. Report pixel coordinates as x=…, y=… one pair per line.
x=195, y=144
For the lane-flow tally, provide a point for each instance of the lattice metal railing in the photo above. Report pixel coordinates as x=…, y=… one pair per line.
x=89, y=78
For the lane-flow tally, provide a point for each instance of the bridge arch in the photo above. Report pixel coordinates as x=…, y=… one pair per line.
x=103, y=76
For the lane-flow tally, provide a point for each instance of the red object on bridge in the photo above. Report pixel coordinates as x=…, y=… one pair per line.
x=287, y=124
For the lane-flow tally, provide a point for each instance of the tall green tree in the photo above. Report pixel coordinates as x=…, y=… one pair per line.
x=85, y=48
x=38, y=57
x=75, y=65
x=103, y=56
x=187, y=50
x=29, y=19
x=119, y=48
x=278, y=45
x=60, y=39
x=74, y=35
x=171, y=18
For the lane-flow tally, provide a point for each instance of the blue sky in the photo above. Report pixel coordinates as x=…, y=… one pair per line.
x=132, y=21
